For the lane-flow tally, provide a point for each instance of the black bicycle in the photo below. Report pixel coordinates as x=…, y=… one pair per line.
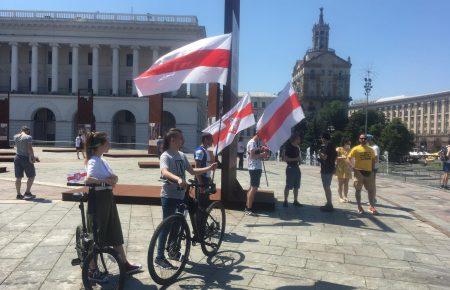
x=208, y=226
x=102, y=267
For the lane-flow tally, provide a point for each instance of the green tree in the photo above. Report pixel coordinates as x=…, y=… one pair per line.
x=376, y=121
x=397, y=140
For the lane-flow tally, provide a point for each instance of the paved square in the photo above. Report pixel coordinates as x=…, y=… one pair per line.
x=406, y=247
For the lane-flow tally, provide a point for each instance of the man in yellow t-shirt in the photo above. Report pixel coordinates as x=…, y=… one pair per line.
x=362, y=159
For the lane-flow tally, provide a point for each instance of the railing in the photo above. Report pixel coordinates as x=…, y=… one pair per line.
x=97, y=16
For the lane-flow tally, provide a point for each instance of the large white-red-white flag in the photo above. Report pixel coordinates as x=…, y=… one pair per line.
x=203, y=61
x=239, y=118
x=274, y=126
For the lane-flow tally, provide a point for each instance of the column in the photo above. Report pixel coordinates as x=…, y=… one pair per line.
x=448, y=117
x=155, y=50
x=409, y=117
x=115, y=70
x=14, y=66
x=435, y=117
x=421, y=118
x=416, y=124
x=74, y=68
x=55, y=74
x=95, y=68
x=34, y=67
x=391, y=112
x=428, y=118
x=135, y=66
x=443, y=116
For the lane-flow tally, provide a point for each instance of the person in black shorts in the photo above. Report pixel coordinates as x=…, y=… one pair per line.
x=24, y=162
x=293, y=173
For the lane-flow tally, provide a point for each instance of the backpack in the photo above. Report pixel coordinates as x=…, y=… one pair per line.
x=443, y=154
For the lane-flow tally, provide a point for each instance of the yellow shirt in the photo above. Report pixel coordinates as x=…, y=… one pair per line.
x=364, y=156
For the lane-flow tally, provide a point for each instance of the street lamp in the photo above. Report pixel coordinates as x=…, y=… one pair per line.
x=367, y=89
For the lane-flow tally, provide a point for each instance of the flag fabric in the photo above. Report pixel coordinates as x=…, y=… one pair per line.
x=274, y=126
x=76, y=177
x=239, y=118
x=203, y=61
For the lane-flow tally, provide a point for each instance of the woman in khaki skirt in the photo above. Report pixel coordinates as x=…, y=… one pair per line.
x=109, y=230
x=343, y=170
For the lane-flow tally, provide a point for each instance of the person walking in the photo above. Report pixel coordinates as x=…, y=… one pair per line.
x=292, y=157
x=343, y=170
x=444, y=156
x=376, y=150
x=240, y=152
x=327, y=159
x=79, y=146
x=362, y=159
x=99, y=172
x=24, y=162
x=173, y=165
x=254, y=160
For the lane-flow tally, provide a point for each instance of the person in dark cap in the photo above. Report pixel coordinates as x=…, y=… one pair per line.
x=327, y=159
x=24, y=162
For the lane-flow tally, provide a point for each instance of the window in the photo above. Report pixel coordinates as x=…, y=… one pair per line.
x=128, y=87
x=129, y=59
x=312, y=75
x=49, y=84
x=89, y=84
x=263, y=105
x=70, y=85
x=49, y=57
x=90, y=58
x=29, y=56
x=70, y=57
x=255, y=105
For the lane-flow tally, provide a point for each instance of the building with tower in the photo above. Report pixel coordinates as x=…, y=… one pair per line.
x=321, y=76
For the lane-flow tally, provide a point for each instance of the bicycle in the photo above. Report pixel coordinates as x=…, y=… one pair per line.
x=208, y=225
x=110, y=272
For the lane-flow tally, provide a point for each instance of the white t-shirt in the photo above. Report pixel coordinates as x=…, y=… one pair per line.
x=240, y=147
x=98, y=168
x=253, y=163
x=199, y=155
x=78, y=141
x=376, y=149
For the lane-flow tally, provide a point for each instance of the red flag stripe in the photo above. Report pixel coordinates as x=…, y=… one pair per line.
x=207, y=57
x=268, y=130
x=246, y=111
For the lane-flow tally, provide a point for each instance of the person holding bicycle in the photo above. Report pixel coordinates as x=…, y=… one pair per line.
x=173, y=165
x=99, y=172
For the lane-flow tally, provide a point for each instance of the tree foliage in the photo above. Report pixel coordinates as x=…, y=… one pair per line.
x=397, y=140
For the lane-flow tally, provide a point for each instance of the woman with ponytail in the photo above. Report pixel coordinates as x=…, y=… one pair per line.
x=99, y=172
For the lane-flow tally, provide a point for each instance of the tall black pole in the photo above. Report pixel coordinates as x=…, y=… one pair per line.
x=230, y=93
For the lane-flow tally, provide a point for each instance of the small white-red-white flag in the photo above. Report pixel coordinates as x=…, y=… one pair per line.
x=239, y=118
x=274, y=126
x=203, y=61
x=76, y=177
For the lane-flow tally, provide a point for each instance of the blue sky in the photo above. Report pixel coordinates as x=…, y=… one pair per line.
x=405, y=43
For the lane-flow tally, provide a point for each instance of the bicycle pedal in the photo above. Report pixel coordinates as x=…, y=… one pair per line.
x=76, y=262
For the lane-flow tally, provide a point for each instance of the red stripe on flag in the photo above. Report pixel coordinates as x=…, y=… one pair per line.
x=246, y=111
x=208, y=57
x=278, y=118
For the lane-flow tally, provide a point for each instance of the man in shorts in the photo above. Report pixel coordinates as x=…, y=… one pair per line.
x=445, y=158
x=24, y=162
x=293, y=173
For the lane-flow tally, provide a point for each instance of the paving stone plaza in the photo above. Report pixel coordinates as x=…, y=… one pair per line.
x=407, y=246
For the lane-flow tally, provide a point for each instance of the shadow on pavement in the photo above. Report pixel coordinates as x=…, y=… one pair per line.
x=40, y=200
x=135, y=284
x=238, y=239
x=318, y=285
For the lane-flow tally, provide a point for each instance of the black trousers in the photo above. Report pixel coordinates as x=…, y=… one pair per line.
x=241, y=160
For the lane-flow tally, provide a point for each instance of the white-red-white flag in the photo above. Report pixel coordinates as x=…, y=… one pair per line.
x=274, y=126
x=76, y=177
x=203, y=61
x=239, y=118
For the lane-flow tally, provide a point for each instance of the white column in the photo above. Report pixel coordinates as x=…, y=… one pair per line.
x=416, y=124
x=135, y=66
x=34, y=67
x=155, y=50
x=95, y=68
x=115, y=70
x=14, y=66
x=74, y=68
x=54, y=67
x=443, y=116
x=428, y=118
x=435, y=117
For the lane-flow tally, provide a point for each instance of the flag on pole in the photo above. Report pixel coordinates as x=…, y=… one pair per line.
x=239, y=118
x=274, y=126
x=203, y=61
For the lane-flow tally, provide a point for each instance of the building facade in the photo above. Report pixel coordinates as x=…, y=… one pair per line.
x=427, y=116
x=46, y=57
x=321, y=76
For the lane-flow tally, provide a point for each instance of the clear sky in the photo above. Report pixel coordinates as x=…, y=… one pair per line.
x=406, y=43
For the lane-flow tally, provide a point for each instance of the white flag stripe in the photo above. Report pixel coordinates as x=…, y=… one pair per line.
x=214, y=42
x=157, y=84
x=282, y=96
x=284, y=132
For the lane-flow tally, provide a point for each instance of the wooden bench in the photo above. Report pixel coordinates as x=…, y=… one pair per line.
x=153, y=164
x=129, y=155
x=60, y=150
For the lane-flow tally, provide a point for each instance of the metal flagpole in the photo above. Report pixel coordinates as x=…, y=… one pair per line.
x=264, y=167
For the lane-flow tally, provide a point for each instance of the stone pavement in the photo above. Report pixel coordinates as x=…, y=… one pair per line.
x=405, y=247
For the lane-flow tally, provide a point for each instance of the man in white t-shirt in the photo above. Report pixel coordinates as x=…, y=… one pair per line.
x=254, y=159
x=240, y=152
x=375, y=149
x=79, y=145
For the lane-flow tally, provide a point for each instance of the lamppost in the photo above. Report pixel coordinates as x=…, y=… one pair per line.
x=367, y=89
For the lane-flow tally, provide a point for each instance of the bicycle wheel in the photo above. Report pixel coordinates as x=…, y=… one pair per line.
x=103, y=269
x=213, y=229
x=174, y=239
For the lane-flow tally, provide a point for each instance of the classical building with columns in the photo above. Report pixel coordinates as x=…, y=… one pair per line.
x=46, y=57
x=427, y=116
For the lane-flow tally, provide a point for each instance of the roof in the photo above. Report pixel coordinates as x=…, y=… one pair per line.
x=258, y=94
x=404, y=97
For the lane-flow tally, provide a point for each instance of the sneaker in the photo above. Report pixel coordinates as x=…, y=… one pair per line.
x=163, y=263
x=249, y=212
x=327, y=208
x=97, y=277
x=296, y=203
x=373, y=210
x=346, y=199
x=133, y=268
x=19, y=196
x=441, y=186
x=360, y=210
x=285, y=204
x=341, y=200
x=28, y=195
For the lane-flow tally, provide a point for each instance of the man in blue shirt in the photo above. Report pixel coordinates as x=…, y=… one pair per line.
x=202, y=158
